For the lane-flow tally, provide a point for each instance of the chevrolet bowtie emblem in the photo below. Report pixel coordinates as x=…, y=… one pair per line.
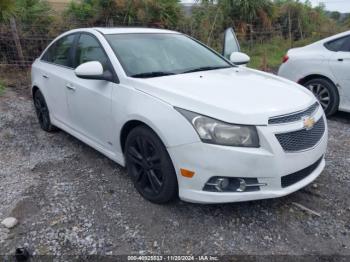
x=309, y=122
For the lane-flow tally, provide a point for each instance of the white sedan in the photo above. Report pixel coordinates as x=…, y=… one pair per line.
x=324, y=68
x=183, y=119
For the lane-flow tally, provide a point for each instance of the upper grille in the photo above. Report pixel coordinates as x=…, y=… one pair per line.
x=302, y=139
x=294, y=116
x=291, y=179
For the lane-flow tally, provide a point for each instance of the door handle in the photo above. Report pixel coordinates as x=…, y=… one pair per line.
x=340, y=59
x=45, y=76
x=70, y=87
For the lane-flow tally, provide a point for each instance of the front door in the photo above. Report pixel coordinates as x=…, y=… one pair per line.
x=340, y=63
x=89, y=101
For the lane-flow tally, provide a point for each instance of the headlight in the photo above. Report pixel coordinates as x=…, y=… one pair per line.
x=217, y=132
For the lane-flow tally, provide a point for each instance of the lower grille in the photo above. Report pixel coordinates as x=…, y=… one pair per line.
x=291, y=179
x=302, y=139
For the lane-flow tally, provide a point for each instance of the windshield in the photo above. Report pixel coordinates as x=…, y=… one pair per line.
x=152, y=55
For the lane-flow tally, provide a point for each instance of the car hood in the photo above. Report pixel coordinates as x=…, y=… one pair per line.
x=235, y=95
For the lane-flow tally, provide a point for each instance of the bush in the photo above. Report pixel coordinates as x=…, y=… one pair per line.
x=24, y=23
x=160, y=13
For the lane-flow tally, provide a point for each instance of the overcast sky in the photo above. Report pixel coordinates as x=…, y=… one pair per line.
x=331, y=5
x=342, y=6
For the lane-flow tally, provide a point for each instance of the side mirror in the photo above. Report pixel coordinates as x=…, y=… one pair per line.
x=239, y=58
x=93, y=70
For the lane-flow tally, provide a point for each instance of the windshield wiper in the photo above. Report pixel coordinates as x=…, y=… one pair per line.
x=152, y=74
x=205, y=68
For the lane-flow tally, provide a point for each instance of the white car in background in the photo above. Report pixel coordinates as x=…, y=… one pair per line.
x=324, y=68
x=183, y=119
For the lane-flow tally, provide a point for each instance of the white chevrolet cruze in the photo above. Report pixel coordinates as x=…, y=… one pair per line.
x=183, y=119
x=324, y=68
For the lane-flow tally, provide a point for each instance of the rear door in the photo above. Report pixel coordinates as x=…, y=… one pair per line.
x=89, y=101
x=231, y=43
x=340, y=62
x=56, y=68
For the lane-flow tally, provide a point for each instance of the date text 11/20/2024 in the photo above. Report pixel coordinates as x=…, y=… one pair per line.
x=173, y=258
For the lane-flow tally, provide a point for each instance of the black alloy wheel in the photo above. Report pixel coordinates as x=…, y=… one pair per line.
x=42, y=112
x=149, y=165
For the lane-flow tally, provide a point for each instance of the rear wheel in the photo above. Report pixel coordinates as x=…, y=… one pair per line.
x=326, y=93
x=150, y=167
x=42, y=112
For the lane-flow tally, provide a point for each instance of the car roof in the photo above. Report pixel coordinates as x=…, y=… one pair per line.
x=132, y=30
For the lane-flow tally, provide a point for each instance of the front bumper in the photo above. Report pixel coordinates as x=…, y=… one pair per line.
x=267, y=163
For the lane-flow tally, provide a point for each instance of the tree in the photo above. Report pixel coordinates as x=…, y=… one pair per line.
x=300, y=20
x=249, y=11
x=26, y=18
x=207, y=23
x=7, y=14
x=7, y=10
x=335, y=15
x=162, y=13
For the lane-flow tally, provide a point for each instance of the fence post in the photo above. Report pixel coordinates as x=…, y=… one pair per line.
x=300, y=29
x=251, y=38
x=290, y=28
x=212, y=26
x=17, y=41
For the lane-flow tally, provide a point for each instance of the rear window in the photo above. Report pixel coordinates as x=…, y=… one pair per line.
x=59, y=52
x=340, y=44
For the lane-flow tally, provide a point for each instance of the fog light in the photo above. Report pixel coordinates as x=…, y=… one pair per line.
x=233, y=184
x=222, y=184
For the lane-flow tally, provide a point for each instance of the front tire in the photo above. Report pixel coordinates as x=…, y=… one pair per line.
x=42, y=112
x=326, y=93
x=150, y=167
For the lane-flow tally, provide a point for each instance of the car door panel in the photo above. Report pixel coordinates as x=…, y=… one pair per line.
x=340, y=66
x=89, y=101
x=55, y=83
x=339, y=63
x=55, y=68
x=89, y=104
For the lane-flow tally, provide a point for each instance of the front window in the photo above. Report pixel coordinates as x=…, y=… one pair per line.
x=88, y=49
x=150, y=55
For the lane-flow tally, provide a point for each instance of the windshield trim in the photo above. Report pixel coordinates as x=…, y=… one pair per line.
x=230, y=64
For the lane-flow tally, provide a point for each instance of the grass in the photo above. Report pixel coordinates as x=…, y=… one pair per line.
x=2, y=88
x=268, y=55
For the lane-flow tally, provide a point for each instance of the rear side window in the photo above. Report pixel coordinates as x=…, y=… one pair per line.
x=88, y=49
x=340, y=44
x=59, y=52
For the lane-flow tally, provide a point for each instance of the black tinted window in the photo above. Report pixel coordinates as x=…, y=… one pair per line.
x=58, y=53
x=341, y=44
x=89, y=49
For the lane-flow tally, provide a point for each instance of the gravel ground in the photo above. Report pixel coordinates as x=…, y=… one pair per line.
x=70, y=200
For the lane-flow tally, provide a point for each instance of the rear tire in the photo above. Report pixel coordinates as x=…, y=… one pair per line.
x=150, y=167
x=326, y=93
x=42, y=112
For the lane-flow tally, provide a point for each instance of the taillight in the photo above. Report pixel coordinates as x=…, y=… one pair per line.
x=285, y=58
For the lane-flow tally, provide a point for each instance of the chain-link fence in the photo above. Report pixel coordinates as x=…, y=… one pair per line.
x=22, y=43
